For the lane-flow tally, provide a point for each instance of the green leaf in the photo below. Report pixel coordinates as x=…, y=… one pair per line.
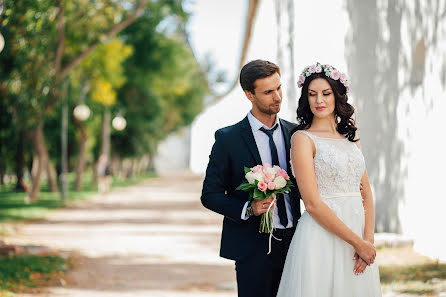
x=247, y=169
x=240, y=187
x=258, y=194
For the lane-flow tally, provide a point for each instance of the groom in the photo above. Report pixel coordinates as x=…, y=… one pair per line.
x=261, y=137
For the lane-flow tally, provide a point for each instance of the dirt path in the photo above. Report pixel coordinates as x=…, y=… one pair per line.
x=150, y=240
x=154, y=239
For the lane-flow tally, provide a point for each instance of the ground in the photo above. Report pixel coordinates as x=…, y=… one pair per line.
x=153, y=239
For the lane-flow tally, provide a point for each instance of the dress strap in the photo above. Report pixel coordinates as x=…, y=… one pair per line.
x=306, y=133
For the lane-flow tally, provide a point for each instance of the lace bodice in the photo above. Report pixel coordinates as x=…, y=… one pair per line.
x=338, y=164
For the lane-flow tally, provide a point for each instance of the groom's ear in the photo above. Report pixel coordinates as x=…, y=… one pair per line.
x=249, y=95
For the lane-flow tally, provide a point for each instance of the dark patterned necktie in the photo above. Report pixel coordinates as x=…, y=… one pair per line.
x=281, y=209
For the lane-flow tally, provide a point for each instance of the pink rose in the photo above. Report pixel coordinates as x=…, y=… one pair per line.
x=268, y=177
x=318, y=69
x=335, y=74
x=262, y=186
x=258, y=168
x=342, y=77
x=312, y=69
x=271, y=186
x=266, y=165
x=283, y=174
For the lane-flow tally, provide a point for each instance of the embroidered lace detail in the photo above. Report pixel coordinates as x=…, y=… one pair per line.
x=338, y=164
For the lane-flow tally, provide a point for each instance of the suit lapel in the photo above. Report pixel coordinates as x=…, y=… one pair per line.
x=250, y=142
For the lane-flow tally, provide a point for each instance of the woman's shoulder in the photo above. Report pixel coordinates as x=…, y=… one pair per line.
x=302, y=137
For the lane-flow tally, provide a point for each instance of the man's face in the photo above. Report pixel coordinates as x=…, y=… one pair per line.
x=267, y=95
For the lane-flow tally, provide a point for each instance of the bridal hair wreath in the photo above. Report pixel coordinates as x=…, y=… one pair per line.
x=329, y=71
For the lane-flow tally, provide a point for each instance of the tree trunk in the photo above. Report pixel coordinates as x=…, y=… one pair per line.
x=20, y=163
x=82, y=158
x=51, y=176
x=40, y=150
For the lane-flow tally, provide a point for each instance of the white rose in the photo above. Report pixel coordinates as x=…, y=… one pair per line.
x=250, y=177
x=280, y=182
x=272, y=171
x=258, y=176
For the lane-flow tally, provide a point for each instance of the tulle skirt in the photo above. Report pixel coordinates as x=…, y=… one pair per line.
x=320, y=264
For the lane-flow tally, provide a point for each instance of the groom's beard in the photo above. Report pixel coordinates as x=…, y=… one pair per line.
x=271, y=109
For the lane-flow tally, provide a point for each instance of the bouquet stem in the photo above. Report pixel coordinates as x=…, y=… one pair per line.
x=266, y=222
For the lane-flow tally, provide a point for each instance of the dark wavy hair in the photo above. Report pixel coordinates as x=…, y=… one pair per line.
x=343, y=109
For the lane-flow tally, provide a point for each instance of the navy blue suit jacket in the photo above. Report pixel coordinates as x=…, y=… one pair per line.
x=234, y=149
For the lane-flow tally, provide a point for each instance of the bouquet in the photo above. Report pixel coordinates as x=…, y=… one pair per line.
x=262, y=182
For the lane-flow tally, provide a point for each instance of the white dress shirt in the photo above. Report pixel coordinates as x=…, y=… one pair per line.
x=262, y=142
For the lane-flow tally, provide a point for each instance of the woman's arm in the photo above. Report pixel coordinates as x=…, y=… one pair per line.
x=302, y=154
x=369, y=209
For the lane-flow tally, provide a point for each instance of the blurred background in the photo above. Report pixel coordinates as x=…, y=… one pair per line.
x=97, y=92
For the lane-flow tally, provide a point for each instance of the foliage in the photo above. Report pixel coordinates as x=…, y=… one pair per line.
x=148, y=73
x=26, y=68
x=19, y=271
x=165, y=87
x=416, y=279
x=13, y=206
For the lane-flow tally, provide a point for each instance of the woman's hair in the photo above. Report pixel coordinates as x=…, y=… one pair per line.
x=343, y=110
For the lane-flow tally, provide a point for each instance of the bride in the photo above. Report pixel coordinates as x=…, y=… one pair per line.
x=332, y=252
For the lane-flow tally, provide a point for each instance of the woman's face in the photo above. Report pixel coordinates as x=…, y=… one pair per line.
x=321, y=98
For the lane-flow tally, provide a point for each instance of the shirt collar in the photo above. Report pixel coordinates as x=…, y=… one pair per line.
x=256, y=124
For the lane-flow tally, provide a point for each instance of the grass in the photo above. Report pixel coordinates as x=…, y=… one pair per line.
x=13, y=206
x=20, y=272
x=410, y=273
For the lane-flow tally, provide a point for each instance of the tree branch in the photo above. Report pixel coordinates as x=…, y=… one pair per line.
x=60, y=36
x=113, y=31
x=249, y=25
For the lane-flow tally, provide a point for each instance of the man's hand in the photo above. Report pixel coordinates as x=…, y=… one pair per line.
x=261, y=206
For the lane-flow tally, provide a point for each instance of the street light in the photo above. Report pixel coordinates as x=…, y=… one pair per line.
x=2, y=42
x=81, y=112
x=119, y=123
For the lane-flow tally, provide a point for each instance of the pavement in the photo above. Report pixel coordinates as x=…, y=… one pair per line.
x=154, y=239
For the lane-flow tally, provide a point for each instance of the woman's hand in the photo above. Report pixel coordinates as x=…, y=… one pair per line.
x=366, y=251
x=360, y=266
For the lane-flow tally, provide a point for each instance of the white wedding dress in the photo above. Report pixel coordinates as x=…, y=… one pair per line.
x=320, y=264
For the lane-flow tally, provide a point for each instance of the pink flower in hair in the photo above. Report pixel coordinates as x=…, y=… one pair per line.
x=342, y=78
x=335, y=74
x=318, y=69
x=312, y=68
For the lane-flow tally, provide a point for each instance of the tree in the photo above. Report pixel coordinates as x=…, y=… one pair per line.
x=50, y=40
x=164, y=78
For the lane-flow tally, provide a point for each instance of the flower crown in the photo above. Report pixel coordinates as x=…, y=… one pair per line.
x=329, y=71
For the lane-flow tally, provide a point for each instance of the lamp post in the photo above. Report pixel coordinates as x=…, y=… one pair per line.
x=64, y=141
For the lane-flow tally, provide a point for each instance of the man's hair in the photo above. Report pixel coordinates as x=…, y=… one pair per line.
x=254, y=70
